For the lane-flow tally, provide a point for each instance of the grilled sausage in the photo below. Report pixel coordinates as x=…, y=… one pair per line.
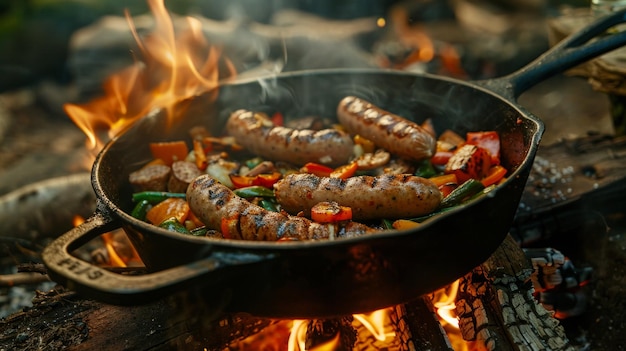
x=212, y=202
x=385, y=196
x=150, y=177
x=256, y=132
x=183, y=172
x=391, y=132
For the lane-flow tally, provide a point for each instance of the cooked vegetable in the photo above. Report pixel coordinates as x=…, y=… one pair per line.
x=330, y=212
x=254, y=191
x=264, y=180
x=155, y=197
x=344, y=172
x=489, y=140
x=469, y=162
x=169, y=151
x=140, y=209
x=425, y=169
x=463, y=192
x=200, y=155
x=317, y=169
x=173, y=225
x=495, y=174
x=402, y=224
x=168, y=208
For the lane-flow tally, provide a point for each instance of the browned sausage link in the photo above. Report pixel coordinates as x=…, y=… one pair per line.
x=386, y=196
x=391, y=132
x=212, y=201
x=258, y=134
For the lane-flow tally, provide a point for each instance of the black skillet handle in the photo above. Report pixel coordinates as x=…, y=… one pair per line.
x=590, y=42
x=106, y=286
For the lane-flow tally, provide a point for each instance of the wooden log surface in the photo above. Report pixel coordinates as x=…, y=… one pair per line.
x=496, y=307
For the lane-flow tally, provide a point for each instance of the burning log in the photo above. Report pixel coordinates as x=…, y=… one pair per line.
x=325, y=331
x=497, y=309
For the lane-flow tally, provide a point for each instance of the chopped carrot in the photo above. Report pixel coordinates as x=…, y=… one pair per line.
x=329, y=212
x=198, y=151
x=169, y=151
x=495, y=174
x=444, y=179
x=345, y=171
x=168, y=208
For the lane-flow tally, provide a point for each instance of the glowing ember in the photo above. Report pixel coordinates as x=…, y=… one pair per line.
x=174, y=67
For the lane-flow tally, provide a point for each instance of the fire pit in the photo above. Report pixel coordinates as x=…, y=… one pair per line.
x=535, y=226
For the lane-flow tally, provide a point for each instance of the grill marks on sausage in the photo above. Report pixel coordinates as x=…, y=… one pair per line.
x=395, y=134
x=211, y=202
x=257, y=133
x=385, y=196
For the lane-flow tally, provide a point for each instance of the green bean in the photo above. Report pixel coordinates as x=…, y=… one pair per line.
x=464, y=191
x=140, y=209
x=154, y=197
x=173, y=225
x=254, y=191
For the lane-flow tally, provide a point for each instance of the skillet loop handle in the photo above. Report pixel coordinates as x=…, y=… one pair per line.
x=101, y=284
x=590, y=42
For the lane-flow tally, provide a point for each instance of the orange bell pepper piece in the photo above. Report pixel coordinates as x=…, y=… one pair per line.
x=329, y=212
x=168, y=208
x=444, y=179
x=345, y=171
x=495, y=174
x=200, y=154
x=169, y=151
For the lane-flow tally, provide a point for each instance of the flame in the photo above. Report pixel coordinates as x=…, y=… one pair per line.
x=174, y=67
x=114, y=259
x=444, y=301
x=375, y=323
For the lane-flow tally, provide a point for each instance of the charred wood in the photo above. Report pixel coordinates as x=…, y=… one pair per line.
x=323, y=331
x=497, y=309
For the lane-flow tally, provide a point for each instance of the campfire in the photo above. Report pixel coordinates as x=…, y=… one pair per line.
x=510, y=300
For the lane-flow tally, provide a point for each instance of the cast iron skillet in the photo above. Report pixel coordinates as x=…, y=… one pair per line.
x=328, y=278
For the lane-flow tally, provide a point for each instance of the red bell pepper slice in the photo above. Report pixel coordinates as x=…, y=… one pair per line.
x=440, y=158
x=489, y=140
x=278, y=119
x=267, y=179
x=317, y=169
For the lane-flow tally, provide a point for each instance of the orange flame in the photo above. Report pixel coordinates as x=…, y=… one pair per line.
x=114, y=259
x=175, y=67
x=375, y=323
